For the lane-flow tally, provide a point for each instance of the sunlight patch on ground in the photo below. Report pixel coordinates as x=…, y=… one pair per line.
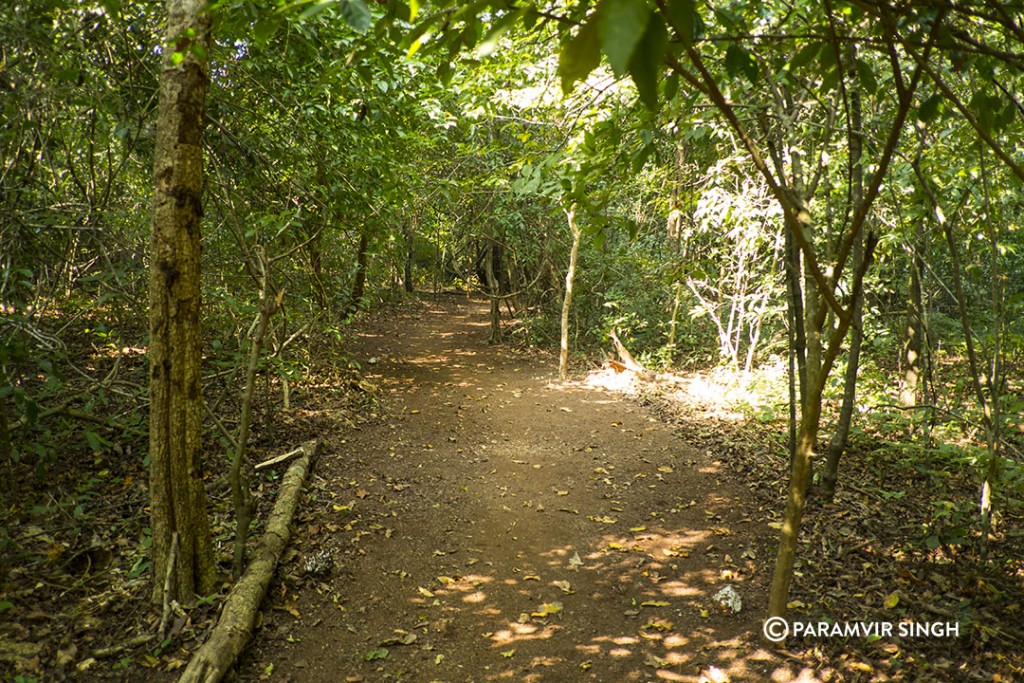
x=722, y=393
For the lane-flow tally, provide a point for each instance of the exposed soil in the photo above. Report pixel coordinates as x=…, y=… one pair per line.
x=494, y=524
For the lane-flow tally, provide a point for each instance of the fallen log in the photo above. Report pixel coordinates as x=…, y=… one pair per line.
x=628, y=362
x=234, y=628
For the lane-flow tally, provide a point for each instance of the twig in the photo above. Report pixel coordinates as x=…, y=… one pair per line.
x=167, y=587
x=103, y=652
x=291, y=455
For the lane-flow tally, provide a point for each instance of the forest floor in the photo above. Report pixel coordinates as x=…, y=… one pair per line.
x=496, y=524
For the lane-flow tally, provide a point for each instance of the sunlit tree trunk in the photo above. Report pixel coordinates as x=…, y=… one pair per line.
x=913, y=342
x=563, y=357
x=182, y=549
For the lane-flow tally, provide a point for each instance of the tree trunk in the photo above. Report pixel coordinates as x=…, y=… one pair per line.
x=316, y=268
x=355, y=299
x=842, y=433
x=810, y=418
x=674, y=223
x=492, y=260
x=177, y=497
x=407, y=280
x=563, y=357
x=913, y=343
x=797, y=338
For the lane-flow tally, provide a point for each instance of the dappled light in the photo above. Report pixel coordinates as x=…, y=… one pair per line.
x=605, y=341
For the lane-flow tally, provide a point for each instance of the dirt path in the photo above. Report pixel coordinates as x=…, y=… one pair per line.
x=495, y=525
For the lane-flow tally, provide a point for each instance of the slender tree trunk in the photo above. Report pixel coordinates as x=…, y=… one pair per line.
x=842, y=433
x=913, y=343
x=491, y=262
x=563, y=357
x=674, y=223
x=316, y=269
x=240, y=492
x=355, y=299
x=407, y=280
x=797, y=339
x=177, y=497
x=810, y=418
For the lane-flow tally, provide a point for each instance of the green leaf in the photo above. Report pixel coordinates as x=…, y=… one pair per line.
x=379, y=653
x=682, y=14
x=985, y=107
x=356, y=13
x=805, y=56
x=1005, y=116
x=622, y=25
x=580, y=55
x=866, y=75
x=738, y=61
x=32, y=411
x=671, y=87
x=94, y=441
x=929, y=108
x=645, y=66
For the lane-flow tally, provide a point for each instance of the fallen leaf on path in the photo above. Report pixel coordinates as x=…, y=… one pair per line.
x=507, y=654
x=378, y=653
x=575, y=560
x=547, y=609
x=402, y=638
x=654, y=603
x=424, y=592
x=662, y=625
x=563, y=586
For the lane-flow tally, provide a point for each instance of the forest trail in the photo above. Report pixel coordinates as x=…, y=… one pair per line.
x=493, y=524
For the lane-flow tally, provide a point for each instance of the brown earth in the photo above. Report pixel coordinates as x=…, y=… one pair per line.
x=494, y=524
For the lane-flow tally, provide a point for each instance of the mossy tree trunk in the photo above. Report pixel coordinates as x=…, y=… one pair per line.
x=177, y=497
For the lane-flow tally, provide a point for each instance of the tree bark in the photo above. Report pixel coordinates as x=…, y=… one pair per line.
x=492, y=260
x=177, y=497
x=563, y=357
x=407, y=279
x=355, y=299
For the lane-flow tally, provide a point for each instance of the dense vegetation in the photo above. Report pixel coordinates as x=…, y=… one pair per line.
x=825, y=190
